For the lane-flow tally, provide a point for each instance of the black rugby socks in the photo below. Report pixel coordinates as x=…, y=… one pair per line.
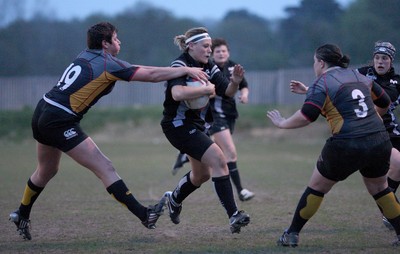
x=393, y=184
x=223, y=187
x=121, y=193
x=234, y=174
x=184, y=189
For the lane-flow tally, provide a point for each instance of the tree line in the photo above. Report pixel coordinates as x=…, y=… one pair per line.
x=43, y=45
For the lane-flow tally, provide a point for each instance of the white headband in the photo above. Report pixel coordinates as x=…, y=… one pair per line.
x=197, y=38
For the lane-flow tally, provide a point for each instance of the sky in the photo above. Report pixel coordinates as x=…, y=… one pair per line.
x=199, y=10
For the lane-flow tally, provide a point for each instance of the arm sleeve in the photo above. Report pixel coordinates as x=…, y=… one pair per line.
x=220, y=81
x=311, y=112
x=119, y=69
x=381, y=99
x=243, y=84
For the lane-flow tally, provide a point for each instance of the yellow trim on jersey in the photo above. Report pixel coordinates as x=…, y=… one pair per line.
x=82, y=98
x=333, y=117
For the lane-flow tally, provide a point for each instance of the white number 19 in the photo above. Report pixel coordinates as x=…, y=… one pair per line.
x=69, y=76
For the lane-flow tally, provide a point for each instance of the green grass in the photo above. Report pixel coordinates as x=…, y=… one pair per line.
x=75, y=214
x=15, y=125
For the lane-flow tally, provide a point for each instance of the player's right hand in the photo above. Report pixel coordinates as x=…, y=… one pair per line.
x=298, y=87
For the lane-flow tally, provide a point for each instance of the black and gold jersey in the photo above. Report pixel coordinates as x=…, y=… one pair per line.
x=88, y=78
x=346, y=98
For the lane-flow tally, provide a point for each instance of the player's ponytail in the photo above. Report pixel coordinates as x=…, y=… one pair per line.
x=195, y=34
x=332, y=55
x=179, y=40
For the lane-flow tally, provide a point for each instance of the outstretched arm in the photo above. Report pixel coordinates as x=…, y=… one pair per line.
x=157, y=74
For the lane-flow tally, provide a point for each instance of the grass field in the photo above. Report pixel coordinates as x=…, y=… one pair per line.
x=75, y=214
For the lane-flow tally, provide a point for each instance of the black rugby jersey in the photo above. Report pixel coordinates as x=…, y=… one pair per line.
x=176, y=113
x=90, y=76
x=224, y=106
x=345, y=98
x=390, y=82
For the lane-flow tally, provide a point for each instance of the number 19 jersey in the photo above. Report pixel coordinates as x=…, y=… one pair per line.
x=91, y=76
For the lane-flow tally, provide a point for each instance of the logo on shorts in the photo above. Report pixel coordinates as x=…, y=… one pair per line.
x=192, y=131
x=70, y=133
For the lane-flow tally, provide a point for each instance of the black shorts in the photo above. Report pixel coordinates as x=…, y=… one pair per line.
x=54, y=127
x=220, y=124
x=342, y=157
x=189, y=139
x=395, y=142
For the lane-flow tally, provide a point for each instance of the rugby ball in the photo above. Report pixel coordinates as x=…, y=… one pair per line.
x=199, y=102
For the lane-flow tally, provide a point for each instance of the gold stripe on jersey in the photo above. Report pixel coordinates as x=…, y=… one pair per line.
x=82, y=98
x=333, y=116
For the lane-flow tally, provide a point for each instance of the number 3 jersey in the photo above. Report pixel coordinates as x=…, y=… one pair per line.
x=347, y=99
x=91, y=76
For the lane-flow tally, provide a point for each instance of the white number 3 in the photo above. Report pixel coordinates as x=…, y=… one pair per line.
x=357, y=94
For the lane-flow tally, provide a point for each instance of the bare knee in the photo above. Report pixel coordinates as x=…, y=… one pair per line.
x=219, y=167
x=394, y=170
x=200, y=176
x=375, y=185
x=231, y=156
x=216, y=159
x=204, y=177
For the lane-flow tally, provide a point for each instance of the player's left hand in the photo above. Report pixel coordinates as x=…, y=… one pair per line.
x=213, y=94
x=237, y=74
x=243, y=98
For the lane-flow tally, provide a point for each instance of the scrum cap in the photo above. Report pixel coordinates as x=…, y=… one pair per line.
x=385, y=48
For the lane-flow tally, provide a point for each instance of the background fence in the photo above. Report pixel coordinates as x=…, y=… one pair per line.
x=266, y=87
